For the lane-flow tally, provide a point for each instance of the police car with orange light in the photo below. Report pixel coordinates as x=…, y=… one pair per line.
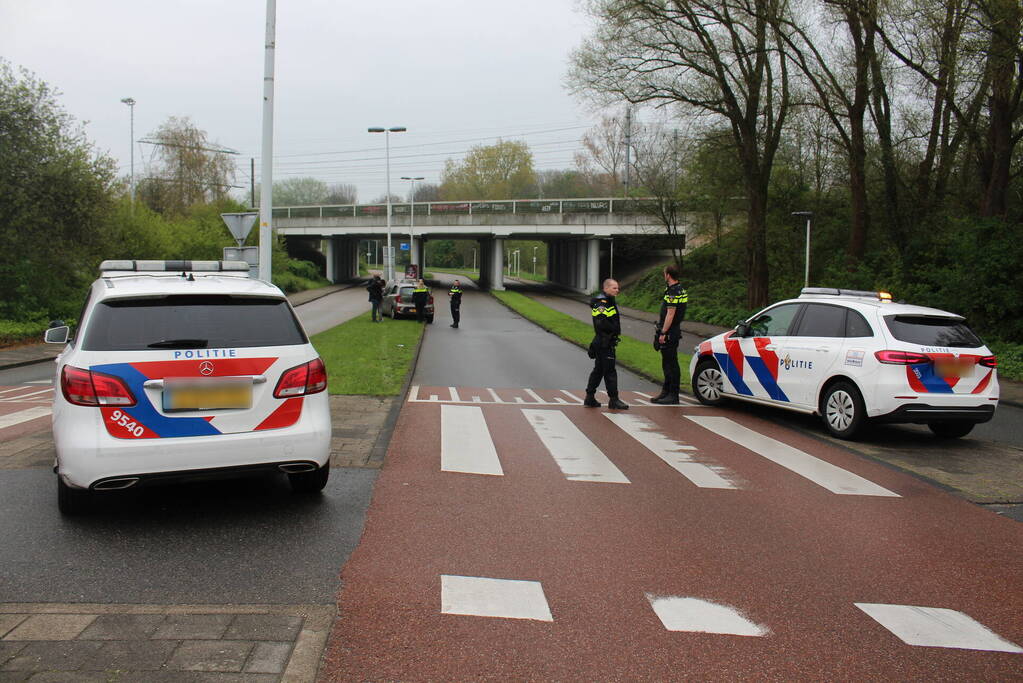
x=852, y=356
x=185, y=370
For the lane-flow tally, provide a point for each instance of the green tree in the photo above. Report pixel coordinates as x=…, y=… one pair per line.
x=503, y=170
x=56, y=191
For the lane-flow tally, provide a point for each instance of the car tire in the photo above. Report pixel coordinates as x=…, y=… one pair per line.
x=310, y=482
x=72, y=501
x=842, y=410
x=709, y=384
x=951, y=429
x=429, y=320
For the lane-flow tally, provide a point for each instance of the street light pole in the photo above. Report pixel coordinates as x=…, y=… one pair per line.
x=474, y=258
x=534, y=259
x=389, y=258
x=412, y=220
x=130, y=101
x=808, y=215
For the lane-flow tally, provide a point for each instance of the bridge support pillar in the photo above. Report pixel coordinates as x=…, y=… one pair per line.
x=328, y=253
x=592, y=271
x=496, y=265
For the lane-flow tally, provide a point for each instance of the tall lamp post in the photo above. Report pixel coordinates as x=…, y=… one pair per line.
x=130, y=101
x=389, y=258
x=412, y=220
x=808, y=215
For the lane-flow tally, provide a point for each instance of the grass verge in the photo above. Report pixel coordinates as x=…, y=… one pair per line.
x=367, y=358
x=633, y=354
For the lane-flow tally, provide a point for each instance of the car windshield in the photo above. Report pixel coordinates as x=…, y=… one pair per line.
x=932, y=331
x=190, y=322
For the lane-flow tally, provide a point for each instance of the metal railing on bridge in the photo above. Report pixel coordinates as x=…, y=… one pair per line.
x=506, y=207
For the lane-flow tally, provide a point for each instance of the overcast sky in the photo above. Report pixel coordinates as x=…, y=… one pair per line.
x=455, y=72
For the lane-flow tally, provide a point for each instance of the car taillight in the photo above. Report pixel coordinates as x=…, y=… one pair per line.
x=901, y=357
x=87, y=388
x=308, y=378
x=397, y=299
x=988, y=362
x=431, y=299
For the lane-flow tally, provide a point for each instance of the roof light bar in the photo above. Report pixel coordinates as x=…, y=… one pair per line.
x=832, y=291
x=114, y=266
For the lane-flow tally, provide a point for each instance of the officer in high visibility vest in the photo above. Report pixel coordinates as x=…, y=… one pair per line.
x=607, y=328
x=455, y=295
x=669, y=332
x=420, y=295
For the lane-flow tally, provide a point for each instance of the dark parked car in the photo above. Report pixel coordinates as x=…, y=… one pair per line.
x=398, y=301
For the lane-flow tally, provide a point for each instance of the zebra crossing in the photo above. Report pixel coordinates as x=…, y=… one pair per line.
x=22, y=404
x=468, y=447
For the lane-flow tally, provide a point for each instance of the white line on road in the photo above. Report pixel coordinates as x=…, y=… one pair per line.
x=24, y=416
x=575, y=454
x=535, y=396
x=482, y=597
x=679, y=613
x=454, y=395
x=704, y=475
x=466, y=445
x=21, y=397
x=572, y=396
x=937, y=627
x=822, y=473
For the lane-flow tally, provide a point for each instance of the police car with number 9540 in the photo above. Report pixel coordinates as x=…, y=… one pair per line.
x=184, y=370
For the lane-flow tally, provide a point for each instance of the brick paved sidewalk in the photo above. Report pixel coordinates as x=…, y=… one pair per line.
x=192, y=643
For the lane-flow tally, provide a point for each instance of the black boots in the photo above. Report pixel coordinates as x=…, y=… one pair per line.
x=666, y=400
x=614, y=404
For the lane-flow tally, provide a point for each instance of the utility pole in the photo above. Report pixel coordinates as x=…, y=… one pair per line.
x=130, y=101
x=628, y=146
x=252, y=180
x=266, y=200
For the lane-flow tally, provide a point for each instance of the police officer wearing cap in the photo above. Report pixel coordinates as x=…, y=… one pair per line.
x=607, y=328
x=455, y=295
x=669, y=332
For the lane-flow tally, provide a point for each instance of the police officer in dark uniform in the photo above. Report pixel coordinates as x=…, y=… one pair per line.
x=420, y=295
x=669, y=332
x=456, y=303
x=607, y=328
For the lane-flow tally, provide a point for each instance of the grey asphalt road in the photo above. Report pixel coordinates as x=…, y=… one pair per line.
x=243, y=541
x=495, y=347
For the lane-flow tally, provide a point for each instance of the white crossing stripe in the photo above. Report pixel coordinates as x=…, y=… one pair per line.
x=675, y=453
x=24, y=416
x=937, y=627
x=466, y=445
x=822, y=473
x=679, y=613
x=22, y=397
x=576, y=455
x=482, y=597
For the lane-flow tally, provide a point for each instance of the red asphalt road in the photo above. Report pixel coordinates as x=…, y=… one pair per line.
x=11, y=404
x=789, y=554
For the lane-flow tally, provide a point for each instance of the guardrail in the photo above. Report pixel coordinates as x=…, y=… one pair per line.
x=507, y=207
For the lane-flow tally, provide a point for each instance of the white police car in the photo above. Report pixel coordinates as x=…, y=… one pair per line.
x=181, y=370
x=850, y=356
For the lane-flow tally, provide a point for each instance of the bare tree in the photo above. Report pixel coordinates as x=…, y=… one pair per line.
x=605, y=150
x=718, y=58
x=341, y=193
x=188, y=168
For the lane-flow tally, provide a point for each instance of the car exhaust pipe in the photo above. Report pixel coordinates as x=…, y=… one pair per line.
x=116, y=484
x=296, y=467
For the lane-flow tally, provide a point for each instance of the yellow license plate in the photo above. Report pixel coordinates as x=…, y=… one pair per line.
x=213, y=397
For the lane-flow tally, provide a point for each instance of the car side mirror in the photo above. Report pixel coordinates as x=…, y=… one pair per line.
x=57, y=335
x=742, y=329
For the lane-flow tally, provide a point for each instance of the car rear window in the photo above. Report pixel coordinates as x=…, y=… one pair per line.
x=407, y=291
x=191, y=322
x=932, y=331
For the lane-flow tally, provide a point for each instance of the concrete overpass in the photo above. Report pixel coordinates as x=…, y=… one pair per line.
x=578, y=232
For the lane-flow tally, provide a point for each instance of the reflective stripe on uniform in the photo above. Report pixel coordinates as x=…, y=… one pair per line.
x=605, y=311
x=682, y=298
